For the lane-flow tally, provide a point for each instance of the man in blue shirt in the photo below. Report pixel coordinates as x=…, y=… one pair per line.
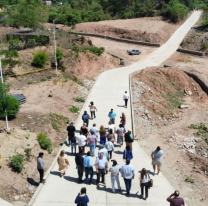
x=112, y=116
x=85, y=118
x=101, y=165
x=94, y=129
x=88, y=166
x=127, y=172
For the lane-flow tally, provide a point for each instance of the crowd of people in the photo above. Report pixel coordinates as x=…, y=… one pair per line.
x=108, y=138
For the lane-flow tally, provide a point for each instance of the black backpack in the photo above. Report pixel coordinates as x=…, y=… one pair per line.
x=81, y=203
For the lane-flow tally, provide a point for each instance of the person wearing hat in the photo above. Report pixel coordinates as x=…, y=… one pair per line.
x=114, y=170
x=71, y=130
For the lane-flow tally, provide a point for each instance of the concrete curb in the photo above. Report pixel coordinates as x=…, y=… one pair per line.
x=118, y=39
x=132, y=106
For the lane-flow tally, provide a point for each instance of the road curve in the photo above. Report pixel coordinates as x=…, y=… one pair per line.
x=106, y=94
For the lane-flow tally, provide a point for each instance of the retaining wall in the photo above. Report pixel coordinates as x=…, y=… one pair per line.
x=186, y=51
x=117, y=39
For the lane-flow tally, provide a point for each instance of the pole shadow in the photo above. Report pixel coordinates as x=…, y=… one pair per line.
x=56, y=173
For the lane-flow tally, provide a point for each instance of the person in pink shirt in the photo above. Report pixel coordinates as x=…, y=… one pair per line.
x=92, y=141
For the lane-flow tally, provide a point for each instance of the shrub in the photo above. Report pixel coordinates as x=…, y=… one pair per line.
x=9, y=106
x=204, y=45
x=44, y=142
x=16, y=163
x=79, y=99
x=189, y=179
x=74, y=109
x=61, y=117
x=40, y=59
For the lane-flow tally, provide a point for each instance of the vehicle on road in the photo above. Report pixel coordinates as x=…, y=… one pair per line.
x=134, y=52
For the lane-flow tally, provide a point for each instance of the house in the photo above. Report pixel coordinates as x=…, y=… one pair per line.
x=47, y=3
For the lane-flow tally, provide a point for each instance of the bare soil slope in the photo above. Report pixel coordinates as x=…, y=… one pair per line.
x=185, y=152
x=148, y=29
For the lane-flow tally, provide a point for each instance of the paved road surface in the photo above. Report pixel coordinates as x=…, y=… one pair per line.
x=106, y=94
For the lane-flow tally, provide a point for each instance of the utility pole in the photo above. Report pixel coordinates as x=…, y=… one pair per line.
x=2, y=81
x=54, y=34
x=105, y=37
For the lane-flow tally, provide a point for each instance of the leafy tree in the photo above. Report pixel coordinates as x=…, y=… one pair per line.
x=40, y=59
x=59, y=55
x=8, y=105
x=9, y=59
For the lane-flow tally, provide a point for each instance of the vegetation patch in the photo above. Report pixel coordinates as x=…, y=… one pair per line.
x=190, y=180
x=54, y=124
x=74, y=109
x=40, y=59
x=44, y=142
x=79, y=99
x=73, y=78
x=16, y=163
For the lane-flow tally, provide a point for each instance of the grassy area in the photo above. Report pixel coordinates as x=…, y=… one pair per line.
x=174, y=99
x=79, y=99
x=57, y=119
x=74, y=109
x=54, y=124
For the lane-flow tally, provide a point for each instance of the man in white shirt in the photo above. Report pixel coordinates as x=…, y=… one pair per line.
x=111, y=126
x=125, y=98
x=114, y=170
x=81, y=141
x=94, y=129
x=127, y=172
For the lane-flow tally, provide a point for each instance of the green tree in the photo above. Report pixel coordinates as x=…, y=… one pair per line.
x=8, y=105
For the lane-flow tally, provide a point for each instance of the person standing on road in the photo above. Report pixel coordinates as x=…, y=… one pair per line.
x=71, y=130
x=63, y=163
x=120, y=134
x=110, y=148
x=88, y=166
x=123, y=120
x=144, y=179
x=73, y=144
x=127, y=172
x=92, y=110
x=84, y=129
x=92, y=141
x=102, y=135
x=176, y=200
x=104, y=151
x=82, y=199
x=81, y=141
x=40, y=166
x=111, y=126
x=112, y=115
x=94, y=129
x=111, y=136
x=114, y=170
x=157, y=159
x=85, y=118
x=79, y=165
x=126, y=98
x=129, y=139
x=101, y=165
x=127, y=154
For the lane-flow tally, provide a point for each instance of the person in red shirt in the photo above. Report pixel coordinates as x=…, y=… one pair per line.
x=175, y=199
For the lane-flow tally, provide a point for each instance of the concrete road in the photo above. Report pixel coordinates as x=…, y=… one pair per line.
x=107, y=93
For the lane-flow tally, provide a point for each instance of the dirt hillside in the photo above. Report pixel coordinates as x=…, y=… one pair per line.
x=157, y=92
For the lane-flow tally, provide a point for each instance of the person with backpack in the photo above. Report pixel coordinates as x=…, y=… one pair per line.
x=127, y=154
x=114, y=170
x=82, y=199
x=144, y=183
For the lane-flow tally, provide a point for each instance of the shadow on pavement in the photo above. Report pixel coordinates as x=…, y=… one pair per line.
x=55, y=173
x=32, y=181
x=118, y=152
x=120, y=105
x=71, y=179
